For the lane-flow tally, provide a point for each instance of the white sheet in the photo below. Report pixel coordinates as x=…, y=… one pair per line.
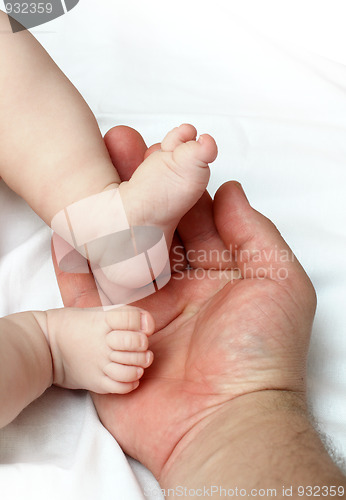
x=268, y=80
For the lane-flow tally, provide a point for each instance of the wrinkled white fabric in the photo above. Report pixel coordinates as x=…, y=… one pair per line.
x=268, y=80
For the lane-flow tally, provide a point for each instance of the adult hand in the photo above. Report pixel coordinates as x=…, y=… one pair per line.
x=219, y=337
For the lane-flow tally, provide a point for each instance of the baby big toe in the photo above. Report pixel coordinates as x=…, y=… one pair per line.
x=130, y=318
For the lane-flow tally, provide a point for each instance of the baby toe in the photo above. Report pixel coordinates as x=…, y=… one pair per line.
x=196, y=153
x=143, y=359
x=208, y=148
x=177, y=136
x=130, y=318
x=109, y=386
x=127, y=341
x=123, y=373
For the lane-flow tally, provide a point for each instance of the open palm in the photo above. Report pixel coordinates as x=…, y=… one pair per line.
x=219, y=334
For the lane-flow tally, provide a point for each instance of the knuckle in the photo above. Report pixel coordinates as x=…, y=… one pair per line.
x=129, y=342
x=133, y=318
x=126, y=319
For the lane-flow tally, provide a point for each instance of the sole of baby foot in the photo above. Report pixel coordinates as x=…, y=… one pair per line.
x=101, y=351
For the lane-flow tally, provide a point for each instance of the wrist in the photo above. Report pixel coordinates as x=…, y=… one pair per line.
x=258, y=440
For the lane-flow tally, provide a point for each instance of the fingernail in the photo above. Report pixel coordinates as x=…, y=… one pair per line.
x=140, y=372
x=144, y=322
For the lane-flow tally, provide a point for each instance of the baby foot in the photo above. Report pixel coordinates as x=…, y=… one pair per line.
x=170, y=181
x=101, y=351
x=162, y=189
x=115, y=229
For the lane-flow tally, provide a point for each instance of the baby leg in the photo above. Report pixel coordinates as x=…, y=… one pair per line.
x=25, y=364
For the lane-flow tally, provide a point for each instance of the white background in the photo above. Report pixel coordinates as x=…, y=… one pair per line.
x=268, y=80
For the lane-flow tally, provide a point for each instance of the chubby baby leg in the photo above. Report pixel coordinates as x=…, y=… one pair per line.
x=102, y=351
x=25, y=364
